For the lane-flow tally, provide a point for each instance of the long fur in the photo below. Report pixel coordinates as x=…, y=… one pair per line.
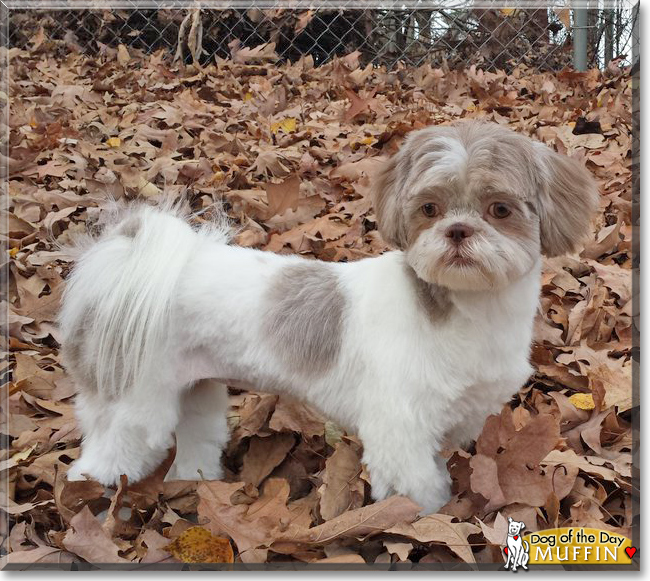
x=409, y=350
x=122, y=287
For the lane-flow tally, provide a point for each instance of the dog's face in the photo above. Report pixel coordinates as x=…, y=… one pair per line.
x=474, y=204
x=514, y=527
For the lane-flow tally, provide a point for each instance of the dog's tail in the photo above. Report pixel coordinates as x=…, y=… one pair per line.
x=119, y=296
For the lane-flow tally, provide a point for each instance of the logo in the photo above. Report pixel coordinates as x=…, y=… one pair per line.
x=516, y=548
x=580, y=546
x=568, y=545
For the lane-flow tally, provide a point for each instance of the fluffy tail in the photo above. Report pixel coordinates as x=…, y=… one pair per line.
x=119, y=297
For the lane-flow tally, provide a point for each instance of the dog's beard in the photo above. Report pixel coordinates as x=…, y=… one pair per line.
x=488, y=260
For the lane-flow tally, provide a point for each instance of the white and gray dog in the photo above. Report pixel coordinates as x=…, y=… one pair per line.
x=410, y=350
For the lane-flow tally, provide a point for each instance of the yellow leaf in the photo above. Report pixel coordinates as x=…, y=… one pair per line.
x=13, y=251
x=365, y=141
x=287, y=125
x=198, y=545
x=24, y=454
x=114, y=142
x=123, y=56
x=508, y=11
x=583, y=401
x=333, y=433
x=146, y=188
x=248, y=96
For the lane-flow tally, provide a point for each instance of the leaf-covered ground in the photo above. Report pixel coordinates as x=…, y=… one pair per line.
x=289, y=149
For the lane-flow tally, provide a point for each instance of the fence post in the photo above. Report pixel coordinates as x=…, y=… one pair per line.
x=608, y=16
x=580, y=19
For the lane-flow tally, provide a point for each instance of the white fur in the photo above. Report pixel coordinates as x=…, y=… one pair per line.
x=400, y=383
x=160, y=312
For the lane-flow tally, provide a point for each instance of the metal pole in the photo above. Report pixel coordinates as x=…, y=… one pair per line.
x=580, y=23
x=608, y=15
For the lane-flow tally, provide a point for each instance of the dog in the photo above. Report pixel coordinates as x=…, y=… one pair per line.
x=517, y=547
x=411, y=350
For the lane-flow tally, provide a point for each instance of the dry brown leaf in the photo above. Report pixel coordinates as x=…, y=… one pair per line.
x=85, y=128
x=251, y=526
x=87, y=538
x=506, y=466
x=264, y=455
x=342, y=489
x=284, y=196
x=440, y=528
x=358, y=523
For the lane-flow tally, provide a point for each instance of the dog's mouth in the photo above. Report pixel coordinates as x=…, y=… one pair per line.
x=458, y=259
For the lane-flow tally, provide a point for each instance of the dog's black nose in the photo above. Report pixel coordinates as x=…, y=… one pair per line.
x=458, y=232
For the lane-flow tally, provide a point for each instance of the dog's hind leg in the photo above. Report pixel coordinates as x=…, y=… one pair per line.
x=202, y=432
x=129, y=433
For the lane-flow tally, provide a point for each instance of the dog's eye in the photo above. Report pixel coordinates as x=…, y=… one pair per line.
x=430, y=210
x=499, y=210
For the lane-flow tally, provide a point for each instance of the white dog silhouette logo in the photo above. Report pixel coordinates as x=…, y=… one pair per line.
x=516, y=548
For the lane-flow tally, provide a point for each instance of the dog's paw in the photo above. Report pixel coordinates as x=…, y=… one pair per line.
x=183, y=471
x=432, y=501
x=86, y=469
x=75, y=472
x=80, y=470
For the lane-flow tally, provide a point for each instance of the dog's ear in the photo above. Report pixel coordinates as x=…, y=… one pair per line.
x=567, y=201
x=522, y=525
x=385, y=193
x=509, y=519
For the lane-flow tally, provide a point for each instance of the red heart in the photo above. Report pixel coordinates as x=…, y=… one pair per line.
x=630, y=551
x=516, y=537
x=505, y=550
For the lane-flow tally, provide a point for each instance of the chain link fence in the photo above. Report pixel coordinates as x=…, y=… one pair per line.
x=459, y=36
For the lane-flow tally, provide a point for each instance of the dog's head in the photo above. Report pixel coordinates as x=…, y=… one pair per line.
x=515, y=527
x=474, y=204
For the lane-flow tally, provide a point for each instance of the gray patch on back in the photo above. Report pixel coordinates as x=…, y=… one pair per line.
x=304, y=320
x=433, y=299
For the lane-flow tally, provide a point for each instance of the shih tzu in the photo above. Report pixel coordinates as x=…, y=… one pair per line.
x=411, y=350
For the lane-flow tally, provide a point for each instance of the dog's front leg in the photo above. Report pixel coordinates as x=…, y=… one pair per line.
x=399, y=454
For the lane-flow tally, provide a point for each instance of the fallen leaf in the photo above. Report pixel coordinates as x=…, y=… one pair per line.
x=87, y=538
x=286, y=125
x=264, y=455
x=342, y=489
x=583, y=401
x=440, y=528
x=198, y=545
